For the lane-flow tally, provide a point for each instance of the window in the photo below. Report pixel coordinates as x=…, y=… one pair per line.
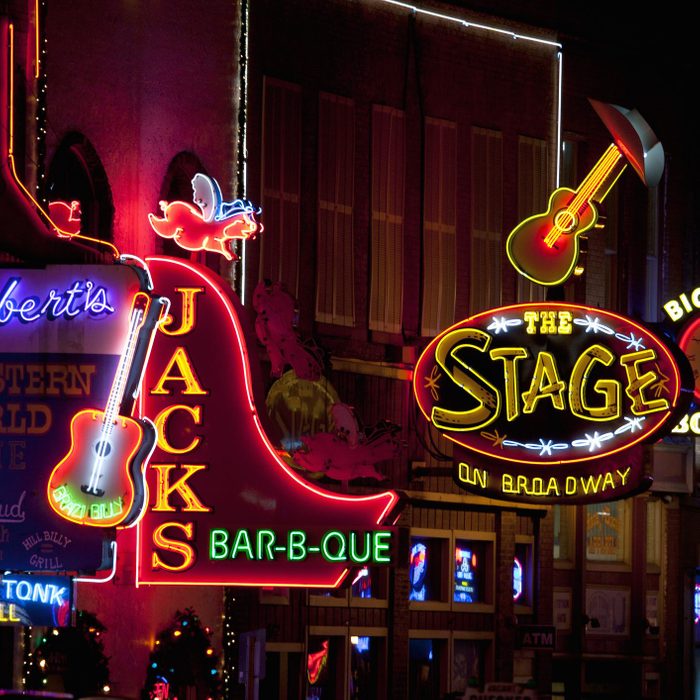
x=388, y=180
x=281, y=183
x=522, y=575
x=472, y=573
x=564, y=527
x=469, y=663
x=427, y=667
x=655, y=513
x=335, y=300
x=76, y=174
x=534, y=187
x=487, y=219
x=607, y=532
x=439, y=226
x=428, y=566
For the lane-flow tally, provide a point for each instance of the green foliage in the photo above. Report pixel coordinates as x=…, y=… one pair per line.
x=71, y=659
x=182, y=658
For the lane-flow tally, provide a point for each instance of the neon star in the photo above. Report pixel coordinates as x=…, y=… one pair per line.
x=632, y=341
x=502, y=323
x=660, y=386
x=594, y=325
x=431, y=383
x=495, y=437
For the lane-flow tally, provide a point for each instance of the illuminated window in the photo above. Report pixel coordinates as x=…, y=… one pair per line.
x=76, y=174
x=325, y=667
x=335, y=300
x=468, y=578
x=367, y=656
x=534, y=187
x=439, y=226
x=387, y=196
x=281, y=183
x=522, y=574
x=487, y=219
x=425, y=576
x=607, y=527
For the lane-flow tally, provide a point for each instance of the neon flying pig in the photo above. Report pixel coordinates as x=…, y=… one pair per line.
x=213, y=225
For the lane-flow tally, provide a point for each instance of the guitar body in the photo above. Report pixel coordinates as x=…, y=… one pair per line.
x=100, y=482
x=550, y=263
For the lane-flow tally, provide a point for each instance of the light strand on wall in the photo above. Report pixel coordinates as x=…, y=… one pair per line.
x=242, y=155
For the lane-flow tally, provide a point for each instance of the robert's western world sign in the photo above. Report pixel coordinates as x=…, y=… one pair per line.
x=549, y=402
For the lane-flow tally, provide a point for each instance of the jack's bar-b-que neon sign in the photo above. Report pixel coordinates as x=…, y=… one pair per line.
x=224, y=507
x=551, y=402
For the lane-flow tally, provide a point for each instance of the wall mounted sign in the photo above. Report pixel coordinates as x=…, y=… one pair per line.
x=36, y=600
x=550, y=402
x=545, y=247
x=62, y=335
x=212, y=225
x=684, y=316
x=224, y=508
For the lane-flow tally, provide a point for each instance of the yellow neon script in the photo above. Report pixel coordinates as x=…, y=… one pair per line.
x=585, y=397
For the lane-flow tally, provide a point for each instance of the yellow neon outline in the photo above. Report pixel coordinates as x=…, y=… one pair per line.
x=485, y=315
x=579, y=378
x=37, y=62
x=545, y=368
x=474, y=418
x=630, y=361
x=588, y=188
x=510, y=357
x=11, y=158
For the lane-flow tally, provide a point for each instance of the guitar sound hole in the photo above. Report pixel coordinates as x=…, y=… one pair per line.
x=565, y=221
x=103, y=448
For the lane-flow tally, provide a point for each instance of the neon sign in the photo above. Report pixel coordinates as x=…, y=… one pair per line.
x=224, y=507
x=62, y=333
x=36, y=600
x=82, y=296
x=212, y=225
x=549, y=401
x=683, y=316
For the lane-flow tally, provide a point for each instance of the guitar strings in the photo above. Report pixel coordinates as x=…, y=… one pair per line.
x=114, y=396
x=599, y=173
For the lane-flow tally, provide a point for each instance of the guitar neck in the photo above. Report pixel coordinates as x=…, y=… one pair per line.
x=116, y=393
x=600, y=179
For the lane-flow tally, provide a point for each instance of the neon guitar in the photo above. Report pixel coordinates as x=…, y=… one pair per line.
x=545, y=248
x=100, y=481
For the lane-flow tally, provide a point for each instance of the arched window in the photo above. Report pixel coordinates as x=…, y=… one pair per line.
x=76, y=174
x=177, y=185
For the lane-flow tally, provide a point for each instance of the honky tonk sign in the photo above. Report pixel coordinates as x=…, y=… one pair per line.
x=549, y=402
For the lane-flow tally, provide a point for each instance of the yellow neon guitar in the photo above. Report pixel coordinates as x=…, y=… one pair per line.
x=545, y=248
x=100, y=481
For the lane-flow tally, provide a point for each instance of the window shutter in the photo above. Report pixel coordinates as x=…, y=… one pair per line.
x=388, y=182
x=534, y=187
x=335, y=293
x=487, y=219
x=439, y=226
x=281, y=183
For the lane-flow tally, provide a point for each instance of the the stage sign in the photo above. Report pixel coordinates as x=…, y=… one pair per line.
x=62, y=336
x=44, y=601
x=550, y=402
x=224, y=507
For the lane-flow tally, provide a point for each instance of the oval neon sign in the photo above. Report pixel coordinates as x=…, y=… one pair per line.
x=547, y=383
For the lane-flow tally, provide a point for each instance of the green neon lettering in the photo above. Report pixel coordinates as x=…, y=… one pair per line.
x=382, y=544
x=296, y=545
x=354, y=554
x=218, y=544
x=268, y=535
x=340, y=555
x=242, y=543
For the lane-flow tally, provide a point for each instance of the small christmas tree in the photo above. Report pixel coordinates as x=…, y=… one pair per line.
x=183, y=663
x=70, y=659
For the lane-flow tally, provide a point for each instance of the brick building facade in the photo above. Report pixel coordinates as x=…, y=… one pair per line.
x=391, y=149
